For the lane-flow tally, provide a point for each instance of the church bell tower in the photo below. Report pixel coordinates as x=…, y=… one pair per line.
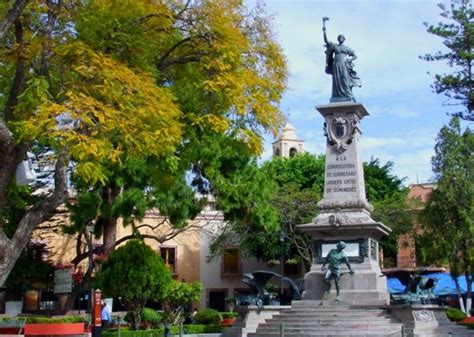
x=287, y=144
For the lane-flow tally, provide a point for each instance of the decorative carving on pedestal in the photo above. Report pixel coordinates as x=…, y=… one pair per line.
x=365, y=247
x=423, y=315
x=338, y=218
x=373, y=250
x=339, y=132
x=332, y=204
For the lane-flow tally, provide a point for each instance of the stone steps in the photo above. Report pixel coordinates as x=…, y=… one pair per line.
x=308, y=320
x=323, y=322
x=380, y=333
x=328, y=314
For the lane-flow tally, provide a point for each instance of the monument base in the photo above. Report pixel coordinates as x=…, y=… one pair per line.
x=427, y=320
x=367, y=286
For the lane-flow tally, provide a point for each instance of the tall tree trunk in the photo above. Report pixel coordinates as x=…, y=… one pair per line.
x=458, y=291
x=109, y=224
x=10, y=249
x=468, y=294
x=12, y=15
x=11, y=153
x=86, y=280
x=110, y=235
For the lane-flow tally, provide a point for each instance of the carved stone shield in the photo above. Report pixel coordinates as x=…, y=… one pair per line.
x=339, y=132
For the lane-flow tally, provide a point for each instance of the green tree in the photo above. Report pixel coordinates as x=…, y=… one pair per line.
x=388, y=196
x=298, y=184
x=181, y=295
x=300, y=181
x=458, y=35
x=135, y=273
x=448, y=219
x=131, y=99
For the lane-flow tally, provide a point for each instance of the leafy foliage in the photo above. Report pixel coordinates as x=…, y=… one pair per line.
x=448, y=219
x=458, y=36
x=389, y=198
x=455, y=314
x=47, y=320
x=136, y=97
x=180, y=295
x=29, y=269
x=150, y=318
x=300, y=183
x=208, y=316
x=188, y=329
x=136, y=273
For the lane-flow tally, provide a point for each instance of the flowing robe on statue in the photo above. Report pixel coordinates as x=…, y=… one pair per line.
x=344, y=78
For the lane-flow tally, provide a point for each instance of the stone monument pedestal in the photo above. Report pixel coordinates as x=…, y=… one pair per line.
x=345, y=215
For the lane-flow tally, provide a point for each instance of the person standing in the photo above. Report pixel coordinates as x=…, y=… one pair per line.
x=105, y=316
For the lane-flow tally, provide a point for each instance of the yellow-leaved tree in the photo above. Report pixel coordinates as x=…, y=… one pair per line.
x=132, y=99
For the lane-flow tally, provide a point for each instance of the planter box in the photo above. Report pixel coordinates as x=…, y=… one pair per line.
x=9, y=331
x=228, y=321
x=55, y=329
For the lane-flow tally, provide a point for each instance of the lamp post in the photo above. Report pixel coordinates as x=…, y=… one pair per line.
x=282, y=257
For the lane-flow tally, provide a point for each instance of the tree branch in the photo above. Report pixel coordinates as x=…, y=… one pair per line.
x=12, y=15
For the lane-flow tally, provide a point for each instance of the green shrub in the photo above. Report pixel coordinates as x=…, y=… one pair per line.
x=136, y=333
x=201, y=328
x=151, y=318
x=208, y=316
x=213, y=329
x=12, y=322
x=188, y=329
x=47, y=320
x=229, y=314
x=455, y=314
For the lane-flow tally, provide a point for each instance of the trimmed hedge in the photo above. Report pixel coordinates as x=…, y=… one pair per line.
x=150, y=318
x=47, y=320
x=41, y=320
x=208, y=317
x=229, y=314
x=11, y=322
x=188, y=329
x=135, y=333
x=201, y=328
x=455, y=314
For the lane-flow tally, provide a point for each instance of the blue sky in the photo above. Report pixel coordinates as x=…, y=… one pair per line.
x=387, y=36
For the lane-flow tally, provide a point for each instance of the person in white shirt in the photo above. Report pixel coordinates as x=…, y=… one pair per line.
x=105, y=316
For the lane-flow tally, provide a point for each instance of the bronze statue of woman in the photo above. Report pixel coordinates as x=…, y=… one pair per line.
x=339, y=59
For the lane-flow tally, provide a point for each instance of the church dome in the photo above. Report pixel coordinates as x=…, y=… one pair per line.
x=288, y=132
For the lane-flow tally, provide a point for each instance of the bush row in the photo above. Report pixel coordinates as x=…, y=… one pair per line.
x=45, y=320
x=188, y=329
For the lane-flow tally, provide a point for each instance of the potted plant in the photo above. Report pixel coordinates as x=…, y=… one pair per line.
x=228, y=318
x=273, y=263
x=231, y=302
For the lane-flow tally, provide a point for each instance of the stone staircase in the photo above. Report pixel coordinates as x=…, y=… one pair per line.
x=305, y=319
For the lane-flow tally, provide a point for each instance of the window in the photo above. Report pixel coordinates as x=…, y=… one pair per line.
x=168, y=254
x=293, y=151
x=231, y=262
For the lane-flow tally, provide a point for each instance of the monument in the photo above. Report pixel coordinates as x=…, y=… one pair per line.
x=344, y=209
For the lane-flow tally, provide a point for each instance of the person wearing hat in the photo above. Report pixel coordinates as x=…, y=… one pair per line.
x=334, y=259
